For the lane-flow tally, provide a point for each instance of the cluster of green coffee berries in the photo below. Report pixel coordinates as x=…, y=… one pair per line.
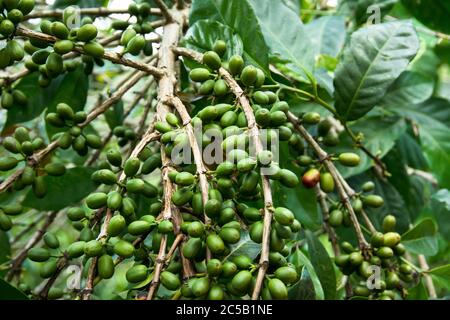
x=69, y=121
x=386, y=252
x=12, y=13
x=124, y=134
x=12, y=97
x=133, y=35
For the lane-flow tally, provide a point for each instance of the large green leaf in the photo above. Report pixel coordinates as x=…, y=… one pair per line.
x=376, y=56
x=202, y=35
x=409, y=88
x=239, y=16
x=285, y=35
x=411, y=153
x=433, y=120
x=322, y=265
x=327, y=35
x=441, y=275
x=115, y=115
x=73, y=90
x=421, y=238
x=8, y=292
x=440, y=210
x=433, y=13
x=63, y=191
x=299, y=259
x=304, y=288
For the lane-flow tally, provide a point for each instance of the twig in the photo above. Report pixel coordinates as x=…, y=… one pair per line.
x=427, y=278
x=113, y=57
x=321, y=198
x=164, y=10
x=343, y=189
x=167, y=61
x=99, y=12
x=367, y=221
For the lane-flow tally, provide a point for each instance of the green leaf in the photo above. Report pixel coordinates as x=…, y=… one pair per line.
x=5, y=250
x=73, y=90
x=441, y=275
x=433, y=13
x=303, y=289
x=421, y=238
x=433, y=119
x=239, y=16
x=327, y=35
x=285, y=35
x=63, y=191
x=411, y=153
x=8, y=292
x=299, y=258
x=203, y=34
x=38, y=99
x=409, y=88
x=322, y=265
x=114, y=116
x=245, y=246
x=376, y=56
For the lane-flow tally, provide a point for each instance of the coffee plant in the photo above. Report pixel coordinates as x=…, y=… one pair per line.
x=212, y=149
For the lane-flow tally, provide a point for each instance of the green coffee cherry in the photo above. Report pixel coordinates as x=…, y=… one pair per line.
x=105, y=267
x=137, y=273
x=212, y=60
x=87, y=33
x=373, y=201
x=200, y=287
x=165, y=227
x=249, y=75
x=96, y=200
x=48, y=269
x=235, y=64
x=135, y=45
x=55, y=169
x=241, y=281
x=389, y=223
x=349, y=159
x=123, y=248
x=38, y=254
x=199, y=74
x=286, y=274
x=76, y=249
x=170, y=281
x=215, y=243
x=132, y=166
x=51, y=240
x=326, y=182
x=220, y=47
x=277, y=289
x=8, y=163
x=59, y=30
x=94, y=49
x=75, y=214
x=116, y=225
x=391, y=239
x=93, y=248
x=336, y=218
